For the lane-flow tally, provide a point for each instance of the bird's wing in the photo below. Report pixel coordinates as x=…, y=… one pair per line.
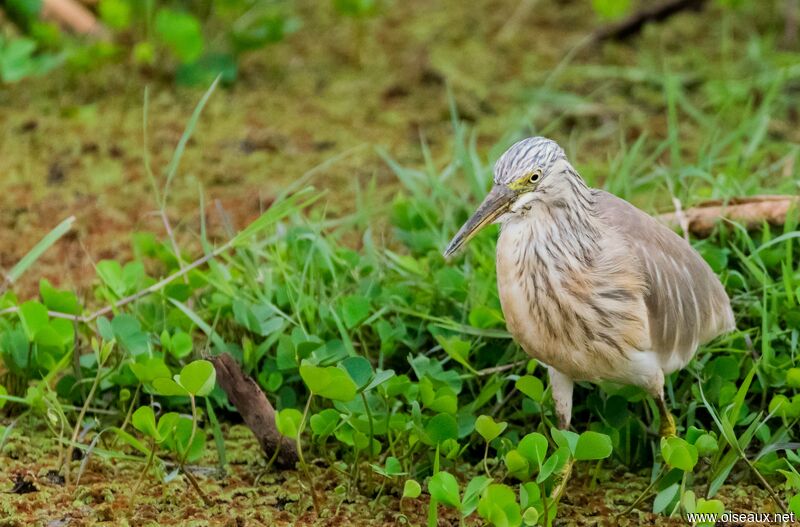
x=686, y=303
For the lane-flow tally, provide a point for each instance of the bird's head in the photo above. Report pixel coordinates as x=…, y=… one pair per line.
x=530, y=171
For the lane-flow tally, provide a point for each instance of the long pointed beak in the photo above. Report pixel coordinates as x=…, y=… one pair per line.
x=496, y=203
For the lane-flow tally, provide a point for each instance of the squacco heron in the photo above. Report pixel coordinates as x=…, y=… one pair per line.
x=590, y=285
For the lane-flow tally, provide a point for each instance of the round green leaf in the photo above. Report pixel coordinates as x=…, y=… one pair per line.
x=531, y=386
x=166, y=425
x=565, y=438
x=706, y=445
x=115, y=13
x=499, y=506
x=198, y=377
x=359, y=369
x=517, y=465
x=689, y=501
x=793, y=378
x=592, y=445
x=329, y=382
x=442, y=427
x=693, y=433
x=794, y=505
x=411, y=489
x=444, y=488
x=150, y=370
x=324, y=423
x=181, y=344
x=488, y=428
x=534, y=447
x=678, y=453
x=288, y=422
x=168, y=387
x=355, y=308
x=716, y=257
x=110, y=272
x=34, y=318
x=56, y=300
x=782, y=406
x=179, y=439
x=725, y=367
x=705, y=506
x=531, y=516
x=779, y=405
x=181, y=31
x=144, y=420
x=529, y=494
x=393, y=467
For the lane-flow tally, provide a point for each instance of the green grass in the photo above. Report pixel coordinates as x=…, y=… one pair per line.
x=415, y=342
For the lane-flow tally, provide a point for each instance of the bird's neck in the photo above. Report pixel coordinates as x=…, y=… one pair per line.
x=562, y=229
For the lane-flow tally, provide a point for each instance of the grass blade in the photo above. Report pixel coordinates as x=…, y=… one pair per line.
x=45, y=243
x=275, y=213
x=172, y=169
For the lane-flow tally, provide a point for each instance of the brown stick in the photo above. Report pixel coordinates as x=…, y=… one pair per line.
x=750, y=211
x=256, y=410
x=633, y=23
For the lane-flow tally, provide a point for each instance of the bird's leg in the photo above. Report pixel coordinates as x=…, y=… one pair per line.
x=561, y=389
x=655, y=386
x=667, y=428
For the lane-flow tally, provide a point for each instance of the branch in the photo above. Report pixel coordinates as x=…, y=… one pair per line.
x=634, y=23
x=136, y=296
x=256, y=410
x=750, y=211
x=501, y=368
x=158, y=285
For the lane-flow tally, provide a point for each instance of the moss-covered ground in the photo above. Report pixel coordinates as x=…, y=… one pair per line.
x=72, y=141
x=246, y=495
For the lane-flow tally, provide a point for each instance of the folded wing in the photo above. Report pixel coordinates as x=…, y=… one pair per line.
x=687, y=305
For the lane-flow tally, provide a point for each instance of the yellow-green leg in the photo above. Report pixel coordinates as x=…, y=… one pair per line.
x=668, y=428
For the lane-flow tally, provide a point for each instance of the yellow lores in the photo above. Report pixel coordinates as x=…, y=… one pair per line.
x=527, y=181
x=590, y=285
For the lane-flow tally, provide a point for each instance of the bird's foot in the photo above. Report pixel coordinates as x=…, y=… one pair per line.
x=668, y=428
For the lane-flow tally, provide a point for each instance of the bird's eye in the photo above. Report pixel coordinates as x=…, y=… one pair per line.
x=535, y=176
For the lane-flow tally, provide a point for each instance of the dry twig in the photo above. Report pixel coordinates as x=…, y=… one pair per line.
x=751, y=211
x=634, y=23
x=256, y=410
